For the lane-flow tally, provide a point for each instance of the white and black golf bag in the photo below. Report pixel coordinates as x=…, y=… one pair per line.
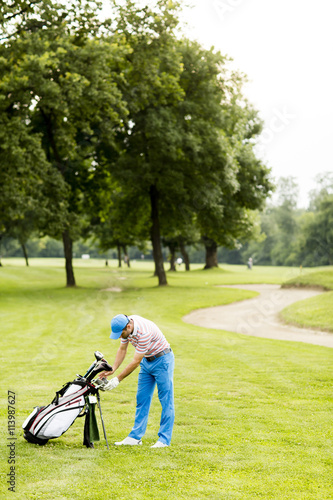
x=75, y=399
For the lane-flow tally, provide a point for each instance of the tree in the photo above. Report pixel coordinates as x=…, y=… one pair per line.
x=294, y=236
x=177, y=240
x=118, y=223
x=324, y=188
x=66, y=77
x=244, y=181
x=149, y=146
x=26, y=178
x=224, y=179
x=319, y=234
x=280, y=227
x=285, y=217
x=174, y=149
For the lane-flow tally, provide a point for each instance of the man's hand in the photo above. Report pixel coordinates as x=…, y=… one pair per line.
x=105, y=374
x=110, y=385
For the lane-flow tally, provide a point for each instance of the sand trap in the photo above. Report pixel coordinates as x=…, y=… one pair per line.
x=259, y=316
x=112, y=289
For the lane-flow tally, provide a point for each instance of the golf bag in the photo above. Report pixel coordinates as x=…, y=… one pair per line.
x=75, y=399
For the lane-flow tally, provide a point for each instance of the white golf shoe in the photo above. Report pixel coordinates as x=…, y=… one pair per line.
x=159, y=444
x=128, y=441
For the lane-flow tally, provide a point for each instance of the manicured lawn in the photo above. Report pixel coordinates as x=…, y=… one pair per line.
x=253, y=416
x=322, y=277
x=318, y=311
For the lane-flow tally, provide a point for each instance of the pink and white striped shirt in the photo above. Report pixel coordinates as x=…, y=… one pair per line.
x=147, y=338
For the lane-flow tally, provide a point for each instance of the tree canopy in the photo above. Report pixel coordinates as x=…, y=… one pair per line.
x=125, y=129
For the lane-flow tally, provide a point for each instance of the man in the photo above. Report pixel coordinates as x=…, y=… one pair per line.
x=156, y=360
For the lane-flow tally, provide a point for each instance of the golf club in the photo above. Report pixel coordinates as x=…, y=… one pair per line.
x=100, y=366
x=75, y=399
x=98, y=356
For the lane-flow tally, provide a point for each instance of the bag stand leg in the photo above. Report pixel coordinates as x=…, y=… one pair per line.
x=100, y=411
x=86, y=431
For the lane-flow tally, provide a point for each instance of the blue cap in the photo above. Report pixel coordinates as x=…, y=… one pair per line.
x=118, y=323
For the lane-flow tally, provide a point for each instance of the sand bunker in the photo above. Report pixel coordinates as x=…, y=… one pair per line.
x=112, y=289
x=259, y=316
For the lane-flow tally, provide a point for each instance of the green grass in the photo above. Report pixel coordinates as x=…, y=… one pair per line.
x=316, y=312
x=321, y=277
x=253, y=416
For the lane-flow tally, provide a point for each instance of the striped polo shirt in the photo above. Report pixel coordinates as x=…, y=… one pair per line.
x=147, y=338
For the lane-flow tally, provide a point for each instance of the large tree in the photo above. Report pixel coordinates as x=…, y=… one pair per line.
x=233, y=216
x=150, y=144
x=318, y=234
x=174, y=149
x=65, y=79
x=32, y=194
x=120, y=220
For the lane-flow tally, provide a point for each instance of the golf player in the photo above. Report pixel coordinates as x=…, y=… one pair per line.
x=156, y=360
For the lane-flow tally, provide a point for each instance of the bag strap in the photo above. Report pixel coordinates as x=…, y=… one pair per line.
x=81, y=383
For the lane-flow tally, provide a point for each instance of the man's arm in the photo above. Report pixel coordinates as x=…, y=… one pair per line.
x=131, y=366
x=120, y=356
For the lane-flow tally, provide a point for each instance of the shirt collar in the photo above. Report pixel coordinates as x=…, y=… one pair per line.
x=135, y=329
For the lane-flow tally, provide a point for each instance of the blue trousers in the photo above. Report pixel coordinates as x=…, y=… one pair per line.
x=158, y=372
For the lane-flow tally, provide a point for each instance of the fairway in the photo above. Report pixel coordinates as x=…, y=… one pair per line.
x=253, y=416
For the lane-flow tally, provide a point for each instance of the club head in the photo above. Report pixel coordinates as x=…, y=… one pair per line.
x=101, y=366
x=98, y=355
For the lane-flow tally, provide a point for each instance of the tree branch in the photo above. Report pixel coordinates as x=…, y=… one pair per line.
x=22, y=11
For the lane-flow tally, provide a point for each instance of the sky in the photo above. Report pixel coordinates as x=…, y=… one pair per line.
x=285, y=48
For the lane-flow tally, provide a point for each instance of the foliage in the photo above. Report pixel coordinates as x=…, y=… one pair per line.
x=324, y=188
x=63, y=91
x=122, y=221
x=294, y=236
x=150, y=144
x=187, y=148
x=319, y=234
x=30, y=191
x=244, y=181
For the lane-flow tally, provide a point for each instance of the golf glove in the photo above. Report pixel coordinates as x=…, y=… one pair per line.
x=110, y=385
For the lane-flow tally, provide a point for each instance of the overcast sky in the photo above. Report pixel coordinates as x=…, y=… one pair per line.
x=285, y=48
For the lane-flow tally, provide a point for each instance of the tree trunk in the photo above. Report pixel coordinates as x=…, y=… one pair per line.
x=172, y=258
x=185, y=256
x=156, y=238
x=25, y=254
x=126, y=256
x=211, y=254
x=0, y=250
x=119, y=255
x=68, y=250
